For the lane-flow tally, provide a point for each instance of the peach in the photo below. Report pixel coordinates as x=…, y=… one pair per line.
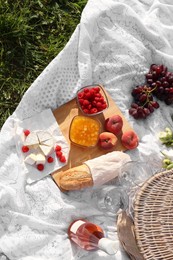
x=114, y=124
x=107, y=140
x=129, y=139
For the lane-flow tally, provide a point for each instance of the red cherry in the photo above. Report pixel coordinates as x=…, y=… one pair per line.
x=25, y=149
x=26, y=132
x=58, y=148
x=50, y=159
x=62, y=159
x=58, y=154
x=40, y=167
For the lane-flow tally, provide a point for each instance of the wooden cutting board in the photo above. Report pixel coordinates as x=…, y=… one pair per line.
x=78, y=155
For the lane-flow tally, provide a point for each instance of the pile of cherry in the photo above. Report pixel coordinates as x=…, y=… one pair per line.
x=159, y=84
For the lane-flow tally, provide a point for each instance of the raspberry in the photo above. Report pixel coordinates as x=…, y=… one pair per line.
x=97, y=99
x=98, y=95
x=96, y=89
x=62, y=159
x=86, y=111
x=88, y=95
x=86, y=90
x=80, y=95
x=26, y=132
x=25, y=149
x=93, y=110
x=92, y=92
x=94, y=103
x=81, y=100
x=104, y=106
x=58, y=154
x=101, y=99
x=99, y=104
x=50, y=159
x=89, y=106
x=40, y=167
x=86, y=102
x=58, y=148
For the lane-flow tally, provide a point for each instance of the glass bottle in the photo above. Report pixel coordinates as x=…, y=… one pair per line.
x=91, y=237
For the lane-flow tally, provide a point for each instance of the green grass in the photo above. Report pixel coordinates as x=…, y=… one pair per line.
x=33, y=32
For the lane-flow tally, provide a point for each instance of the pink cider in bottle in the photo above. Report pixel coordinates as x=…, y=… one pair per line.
x=91, y=237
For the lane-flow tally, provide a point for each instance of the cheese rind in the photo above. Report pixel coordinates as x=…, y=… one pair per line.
x=47, y=150
x=49, y=142
x=40, y=159
x=43, y=136
x=30, y=159
x=32, y=140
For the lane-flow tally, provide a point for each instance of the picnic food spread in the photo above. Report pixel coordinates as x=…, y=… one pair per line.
x=114, y=44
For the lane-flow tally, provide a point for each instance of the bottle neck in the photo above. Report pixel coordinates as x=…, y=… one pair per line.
x=109, y=246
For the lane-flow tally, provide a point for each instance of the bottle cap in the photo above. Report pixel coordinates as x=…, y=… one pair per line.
x=108, y=245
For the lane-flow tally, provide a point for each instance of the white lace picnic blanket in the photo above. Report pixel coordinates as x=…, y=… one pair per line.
x=114, y=44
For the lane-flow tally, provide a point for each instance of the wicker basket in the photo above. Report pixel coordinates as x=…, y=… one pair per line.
x=153, y=217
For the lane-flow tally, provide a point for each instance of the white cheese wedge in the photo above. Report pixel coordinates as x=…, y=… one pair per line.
x=32, y=140
x=43, y=136
x=40, y=159
x=30, y=159
x=49, y=142
x=46, y=150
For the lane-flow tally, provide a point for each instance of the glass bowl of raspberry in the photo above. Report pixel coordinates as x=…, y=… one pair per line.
x=92, y=100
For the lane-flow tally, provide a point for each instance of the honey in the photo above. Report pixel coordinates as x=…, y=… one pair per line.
x=84, y=131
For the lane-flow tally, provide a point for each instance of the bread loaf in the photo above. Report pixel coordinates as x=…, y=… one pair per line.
x=75, y=178
x=94, y=172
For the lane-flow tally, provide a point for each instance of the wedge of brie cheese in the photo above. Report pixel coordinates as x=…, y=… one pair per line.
x=40, y=158
x=46, y=150
x=31, y=159
x=43, y=136
x=32, y=140
x=49, y=142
